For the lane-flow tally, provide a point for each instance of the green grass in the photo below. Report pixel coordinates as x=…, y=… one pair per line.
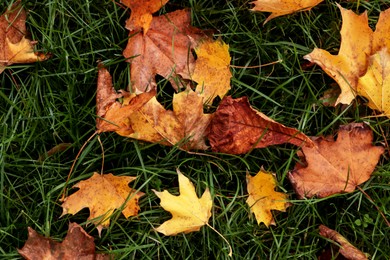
x=52, y=102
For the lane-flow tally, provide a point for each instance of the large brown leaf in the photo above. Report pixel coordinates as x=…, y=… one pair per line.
x=337, y=166
x=76, y=245
x=164, y=50
x=14, y=47
x=236, y=128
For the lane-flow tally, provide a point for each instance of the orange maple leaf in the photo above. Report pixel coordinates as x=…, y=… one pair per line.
x=263, y=198
x=283, y=7
x=337, y=166
x=76, y=245
x=141, y=13
x=14, y=47
x=358, y=43
x=189, y=213
x=236, y=128
x=102, y=194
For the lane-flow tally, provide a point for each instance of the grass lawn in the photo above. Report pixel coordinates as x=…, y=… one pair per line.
x=53, y=102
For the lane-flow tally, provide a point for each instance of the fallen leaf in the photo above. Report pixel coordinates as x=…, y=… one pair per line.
x=14, y=47
x=212, y=71
x=164, y=50
x=337, y=166
x=381, y=36
x=351, y=61
x=375, y=84
x=346, y=248
x=76, y=245
x=236, y=128
x=189, y=213
x=283, y=7
x=141, y=13
x=102, y=194
x=56, y=149
x=263, y=198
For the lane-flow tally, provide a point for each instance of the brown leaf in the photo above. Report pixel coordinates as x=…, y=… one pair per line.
x=236, y=128
x=76, y=245
x=14, y=47
x=141, y=13
x=337, y=166
x=102, y=194
x=346, y=248
x=164, y=50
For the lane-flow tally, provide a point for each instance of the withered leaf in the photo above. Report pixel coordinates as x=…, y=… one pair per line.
x=76, y=245
x=337, y=166
x=14, y=47
x=346, y=248
x=164, y=50
x=236, y=128
x=102, y=194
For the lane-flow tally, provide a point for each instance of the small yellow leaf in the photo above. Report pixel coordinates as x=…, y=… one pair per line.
x=102, y=194
x=375, y=84
x=212, y=72
x=263, y=198
x=189, y=213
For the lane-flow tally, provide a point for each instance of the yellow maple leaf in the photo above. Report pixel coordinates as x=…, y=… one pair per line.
x=102, y=194
x=189, y=213
x=283, y=7
x=14, y=47
x=263, y=198
x=375, y=84
x=212, y=72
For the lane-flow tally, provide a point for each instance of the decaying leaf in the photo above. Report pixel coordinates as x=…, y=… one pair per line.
x=337, y=166
x=351, y=61
x=263, y=198
x=346, y=248
x=102, y=194
x=164, y=50
x=375, y=84
x=76, y=245
x=14, y=47
x=283, y=7
x=236, y=128
x=189, y=213
x=141, y=13
x=212, y=72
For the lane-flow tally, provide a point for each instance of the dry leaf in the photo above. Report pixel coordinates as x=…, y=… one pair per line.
x=346, y=248
x=76, y=245
x=263, y=198
x=165, y=50
x=14, y=47
x=375, y=84
x=141, y=13
x=283, y=7
x=381, y=37
x=102, y=194
x=236, y=128
x=189, y=213
x=212, y=72
x=351, y=61
x=337, y=166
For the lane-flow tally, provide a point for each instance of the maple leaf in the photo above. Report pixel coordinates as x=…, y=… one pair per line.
x=337, y=166
x=102, y=194
x=375, y=84
x=14, y=47
x=381, y=36
x=351, y=61
x=141, y=13
x=263, y=198
x=76, y=245
x=283, y=7
x=236, y=128
x=212, y=72
x=164, y=50
x=346, y=248
x=189, y=213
